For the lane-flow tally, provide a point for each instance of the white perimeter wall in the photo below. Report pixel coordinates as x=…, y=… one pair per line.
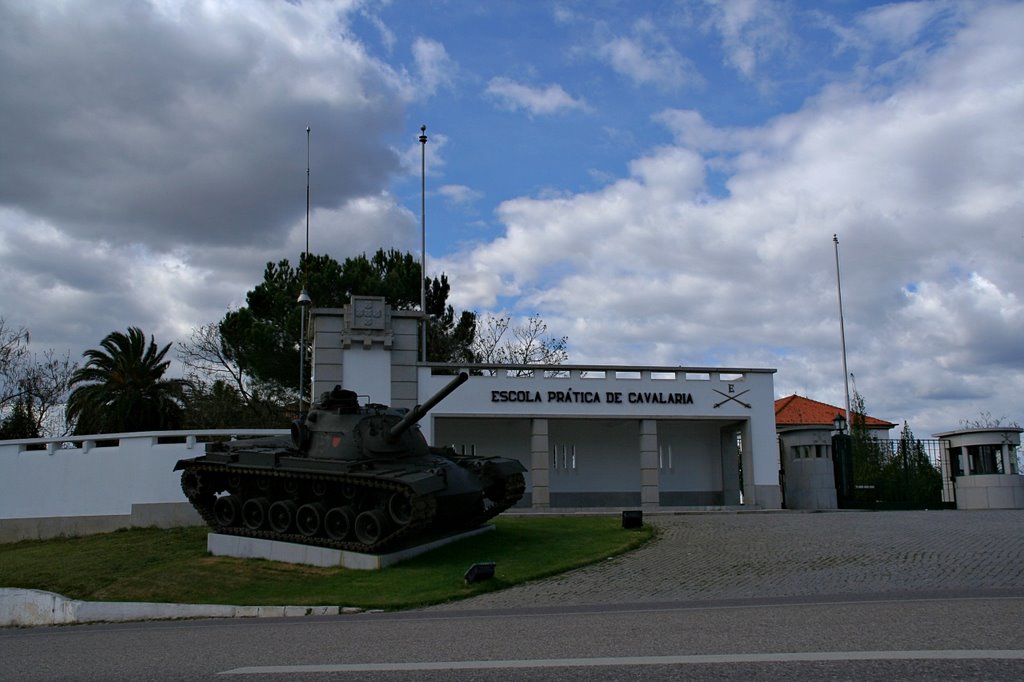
x=93, y=481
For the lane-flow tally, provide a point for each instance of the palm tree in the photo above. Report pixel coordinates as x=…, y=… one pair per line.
x=121, y=388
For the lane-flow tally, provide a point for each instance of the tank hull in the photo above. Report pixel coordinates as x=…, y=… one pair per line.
x=272, y=491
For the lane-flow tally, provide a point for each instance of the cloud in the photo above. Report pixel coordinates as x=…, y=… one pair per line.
x=459, y=194
x=648, y=58
x=982, y=324
x=535, y=101
x=751, y=31
x=198, y=126
x=921, y=183
x=433, y=64
x=155, y=158
x=900, y=25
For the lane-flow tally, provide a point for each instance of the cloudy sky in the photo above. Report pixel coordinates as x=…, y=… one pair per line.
x=660, y=181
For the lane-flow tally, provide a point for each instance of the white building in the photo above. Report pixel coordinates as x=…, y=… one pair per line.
x=589, y=436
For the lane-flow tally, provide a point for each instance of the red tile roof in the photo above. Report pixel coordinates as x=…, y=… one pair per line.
x=796, y=410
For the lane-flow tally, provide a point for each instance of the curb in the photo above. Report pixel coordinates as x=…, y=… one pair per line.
x=29, y=608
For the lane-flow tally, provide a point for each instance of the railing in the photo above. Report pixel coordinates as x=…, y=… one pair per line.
x=598, y=371
x=106, y=440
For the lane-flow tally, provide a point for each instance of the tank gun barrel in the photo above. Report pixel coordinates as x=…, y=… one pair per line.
x=417, y=413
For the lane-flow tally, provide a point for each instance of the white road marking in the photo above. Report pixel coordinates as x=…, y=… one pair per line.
x=807, y=656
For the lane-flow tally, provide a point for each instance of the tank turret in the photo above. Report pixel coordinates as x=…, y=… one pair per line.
x=359, y=477
x=337, y=428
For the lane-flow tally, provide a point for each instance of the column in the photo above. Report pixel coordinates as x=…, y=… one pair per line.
x=540, y=465
x=649, y=485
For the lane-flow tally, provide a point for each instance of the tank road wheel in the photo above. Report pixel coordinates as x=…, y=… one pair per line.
x=282, y=513
x=350, y=494
x=191, y=483
x=227, y=510
x=400, y=509
x=370, y=526
x=254, y=512
x=309, y=519
x=339, y=522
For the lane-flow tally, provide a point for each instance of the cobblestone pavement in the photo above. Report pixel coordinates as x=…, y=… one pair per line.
x=704, y=556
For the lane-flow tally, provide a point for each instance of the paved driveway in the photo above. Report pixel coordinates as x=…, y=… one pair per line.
x=705, y=556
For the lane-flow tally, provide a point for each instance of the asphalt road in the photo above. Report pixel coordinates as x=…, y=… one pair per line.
x=839, y=596
x=900, y=637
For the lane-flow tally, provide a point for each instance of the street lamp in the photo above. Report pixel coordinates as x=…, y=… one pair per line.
x=304, y=299
x=842, y=461
x=423, y=240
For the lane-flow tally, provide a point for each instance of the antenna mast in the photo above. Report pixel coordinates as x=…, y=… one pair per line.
x=304, y=280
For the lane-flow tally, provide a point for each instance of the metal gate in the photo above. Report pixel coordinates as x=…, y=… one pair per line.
x=890, y=474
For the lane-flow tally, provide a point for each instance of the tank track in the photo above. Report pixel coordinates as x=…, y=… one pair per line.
x=422, y=509
x=515, y=486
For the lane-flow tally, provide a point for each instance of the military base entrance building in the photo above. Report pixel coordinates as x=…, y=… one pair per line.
x=589, y=436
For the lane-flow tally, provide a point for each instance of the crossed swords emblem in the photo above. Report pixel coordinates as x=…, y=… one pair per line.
x=732, y=397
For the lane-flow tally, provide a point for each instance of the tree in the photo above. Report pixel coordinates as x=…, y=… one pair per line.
x=987, y=421
x=220, y=394
x=219, y=405
x=908, y=478
x=498, y=341
x=122, y=388
x=20, y=422
x=448, y=340
x=391, y=274
x=38, y=385
x=866, y=454
x=262, y=338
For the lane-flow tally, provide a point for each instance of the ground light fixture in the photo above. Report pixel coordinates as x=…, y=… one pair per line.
x=480, y=571
x=632, y=518
x=839, y=423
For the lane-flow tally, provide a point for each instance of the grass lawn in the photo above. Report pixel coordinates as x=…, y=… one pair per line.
x=154, y=565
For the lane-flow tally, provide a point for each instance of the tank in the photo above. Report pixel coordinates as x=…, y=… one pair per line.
x=351, y=476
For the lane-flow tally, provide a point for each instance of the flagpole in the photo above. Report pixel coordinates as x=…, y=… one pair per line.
x=842, y=331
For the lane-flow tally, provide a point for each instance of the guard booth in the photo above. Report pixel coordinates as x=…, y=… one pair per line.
x=814, y=448
x=982, y=463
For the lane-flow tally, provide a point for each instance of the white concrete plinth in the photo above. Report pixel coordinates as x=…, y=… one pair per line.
x=293, y=553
